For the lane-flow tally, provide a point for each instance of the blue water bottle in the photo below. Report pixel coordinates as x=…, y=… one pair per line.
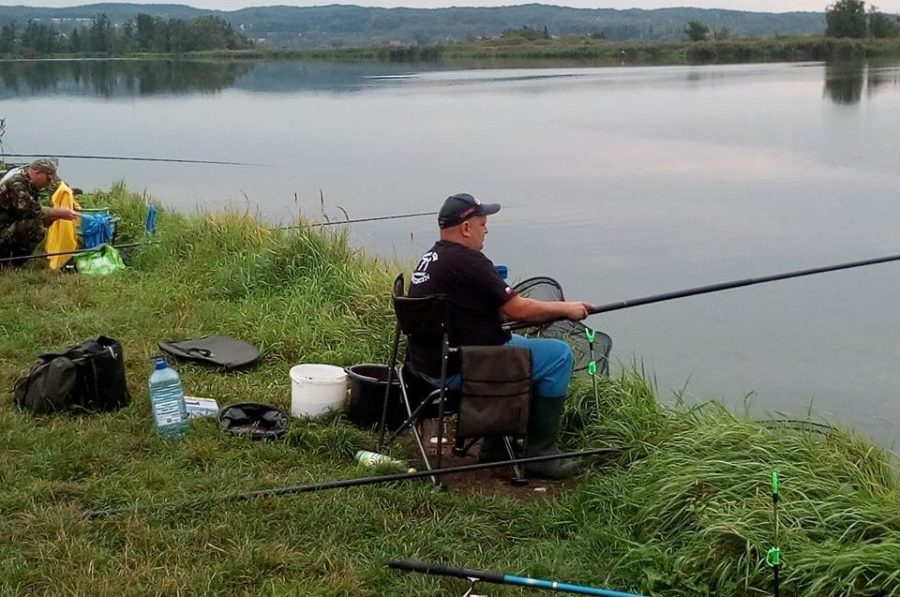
x=167, y=400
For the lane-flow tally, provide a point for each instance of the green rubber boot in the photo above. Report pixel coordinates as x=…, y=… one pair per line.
x=543, y=431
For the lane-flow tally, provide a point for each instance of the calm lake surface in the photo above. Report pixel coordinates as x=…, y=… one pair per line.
x=620, y=182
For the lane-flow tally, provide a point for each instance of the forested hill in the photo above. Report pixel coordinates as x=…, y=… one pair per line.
x=341, y=25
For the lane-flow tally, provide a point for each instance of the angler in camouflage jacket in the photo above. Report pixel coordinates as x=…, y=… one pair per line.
x=23, y=222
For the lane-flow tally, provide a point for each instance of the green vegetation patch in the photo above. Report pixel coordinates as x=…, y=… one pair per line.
x=680, y=507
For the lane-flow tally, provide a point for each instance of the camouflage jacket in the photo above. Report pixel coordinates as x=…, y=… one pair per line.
x=18, y=200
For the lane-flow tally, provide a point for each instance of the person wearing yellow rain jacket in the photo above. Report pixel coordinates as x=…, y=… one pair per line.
x=61, y=237
x=23, y=222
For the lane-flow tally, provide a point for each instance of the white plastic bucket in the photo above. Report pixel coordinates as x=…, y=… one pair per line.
x=317, y=389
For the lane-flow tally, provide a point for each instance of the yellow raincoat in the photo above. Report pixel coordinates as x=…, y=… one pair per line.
x=61, y=234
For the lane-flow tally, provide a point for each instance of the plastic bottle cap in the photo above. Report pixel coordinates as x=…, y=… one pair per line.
x=160, y=364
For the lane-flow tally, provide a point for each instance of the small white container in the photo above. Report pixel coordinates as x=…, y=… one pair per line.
x=317, y=389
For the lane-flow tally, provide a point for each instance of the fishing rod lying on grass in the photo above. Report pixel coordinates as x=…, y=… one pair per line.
x=123, y=158
x=75, y=252
x=279, y=491
x=499, y=578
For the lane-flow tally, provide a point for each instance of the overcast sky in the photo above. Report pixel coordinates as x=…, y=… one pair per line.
x=756, y=5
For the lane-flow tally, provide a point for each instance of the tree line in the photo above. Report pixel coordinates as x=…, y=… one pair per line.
x=844, y=19
x=849, y=18
x=144, y=33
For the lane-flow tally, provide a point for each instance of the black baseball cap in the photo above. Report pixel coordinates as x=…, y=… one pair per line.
x=459, y=208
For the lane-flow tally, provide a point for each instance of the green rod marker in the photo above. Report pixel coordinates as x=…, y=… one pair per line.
x=592, y=365
x=773, y=556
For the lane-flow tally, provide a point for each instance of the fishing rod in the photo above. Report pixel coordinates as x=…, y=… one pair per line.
x=123, y=158
x=500, y=578
x=74, y=252
x=129, y=245
x=310, y=488
x=358, y=220
x=668, y=296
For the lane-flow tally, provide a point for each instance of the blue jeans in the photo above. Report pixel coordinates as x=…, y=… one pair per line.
x=551, y=365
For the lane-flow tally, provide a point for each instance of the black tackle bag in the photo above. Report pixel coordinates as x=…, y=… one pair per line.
x=87, y=377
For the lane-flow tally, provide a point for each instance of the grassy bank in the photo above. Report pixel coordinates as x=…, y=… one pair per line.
x=679, y=508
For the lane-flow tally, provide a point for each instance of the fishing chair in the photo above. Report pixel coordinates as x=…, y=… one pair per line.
x=481, y=409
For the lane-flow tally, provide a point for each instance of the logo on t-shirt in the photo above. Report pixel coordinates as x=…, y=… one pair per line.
x=421, y=274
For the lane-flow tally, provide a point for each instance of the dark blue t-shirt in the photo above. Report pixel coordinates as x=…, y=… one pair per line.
x=475, y=293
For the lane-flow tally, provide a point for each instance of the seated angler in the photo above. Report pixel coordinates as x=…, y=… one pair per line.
x=478, y=302
x=23, y=221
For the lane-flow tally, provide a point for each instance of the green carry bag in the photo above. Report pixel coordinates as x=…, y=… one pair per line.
x=99, y=261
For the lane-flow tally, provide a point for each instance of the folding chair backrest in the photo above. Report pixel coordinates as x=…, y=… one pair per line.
x=397, y=288
x=421, y=317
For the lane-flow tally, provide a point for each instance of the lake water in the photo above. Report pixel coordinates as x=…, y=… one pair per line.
x=620, y=182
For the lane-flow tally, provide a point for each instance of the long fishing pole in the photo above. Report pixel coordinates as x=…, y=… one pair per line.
x=74, y=252
x=501, y=578
x=124, y=158
x=279, y=491
x=358, y=220
x=128, y=245
x=668, y=296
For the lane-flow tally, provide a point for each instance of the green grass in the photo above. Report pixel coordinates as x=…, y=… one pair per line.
x=681, y=506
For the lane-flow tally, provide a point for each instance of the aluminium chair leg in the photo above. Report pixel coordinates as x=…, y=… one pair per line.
x=442, y=397
x=418, y=435
x=519, y=479
x=413, y=427
x=412, y=414
x=387, y=390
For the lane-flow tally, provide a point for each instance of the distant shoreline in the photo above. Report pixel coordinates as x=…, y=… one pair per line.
x=574, y=50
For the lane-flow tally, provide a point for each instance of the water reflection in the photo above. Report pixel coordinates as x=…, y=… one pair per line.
x=124, y=78
x=114, y=78
x=845, y=82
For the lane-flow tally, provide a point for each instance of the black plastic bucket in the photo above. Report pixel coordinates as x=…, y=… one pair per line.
x=367, y=384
